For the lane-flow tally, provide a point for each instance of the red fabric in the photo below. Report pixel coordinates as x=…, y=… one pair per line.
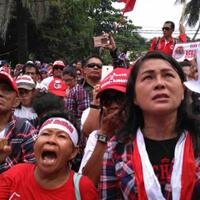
x=129, y=5
x=188, y=178
x=20, y=180
x=166, y=47
x=188, y=171
x=137, y=165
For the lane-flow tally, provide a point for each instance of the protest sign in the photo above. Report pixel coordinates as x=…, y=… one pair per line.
x=184, y=51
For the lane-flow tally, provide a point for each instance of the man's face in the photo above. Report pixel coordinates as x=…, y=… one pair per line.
x=93, y=68
x=31, y=71
x=57, y=71
x=69, y=80
x=8, y=97
x=167, y=29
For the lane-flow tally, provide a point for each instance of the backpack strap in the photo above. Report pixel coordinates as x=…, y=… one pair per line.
x=76, y=179
x=157, y=43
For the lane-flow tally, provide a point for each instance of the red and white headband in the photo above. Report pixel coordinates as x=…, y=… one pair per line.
x=63, y=125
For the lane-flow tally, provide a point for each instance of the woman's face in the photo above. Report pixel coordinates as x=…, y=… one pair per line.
x=53, y=149
x=158, y=88
x=26, y=97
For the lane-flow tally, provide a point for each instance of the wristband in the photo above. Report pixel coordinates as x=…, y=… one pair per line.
x=95, y=106
x=102, y=138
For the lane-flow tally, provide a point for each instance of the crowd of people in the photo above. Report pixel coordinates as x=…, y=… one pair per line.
x=67, y=133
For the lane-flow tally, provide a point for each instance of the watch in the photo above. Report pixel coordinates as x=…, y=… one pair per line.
x=102, y=138
x=95, y=106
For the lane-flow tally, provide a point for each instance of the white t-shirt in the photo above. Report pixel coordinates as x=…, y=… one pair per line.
x=25, y=112
x=89, y=148
x=45, y=82
x=2, y=133
x=84, y=116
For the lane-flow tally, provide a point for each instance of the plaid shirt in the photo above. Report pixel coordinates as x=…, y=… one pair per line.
x=76, y=102
x=89, y=89
x=117, y=179
x=21, y=140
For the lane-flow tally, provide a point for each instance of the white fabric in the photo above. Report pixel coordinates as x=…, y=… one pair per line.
x=89, y=148
x=63, y=125
x=2, y=133
x=177, y=168
x=45, y=82
x=151, y=183
x=25, y=112
x=84, y=116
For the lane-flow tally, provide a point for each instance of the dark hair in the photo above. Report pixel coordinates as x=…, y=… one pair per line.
x=185, y=63
x=30, y=65
x=91, y=56
x=133, y=114
x=172, y=24
x=44, y=103
x=70, y=70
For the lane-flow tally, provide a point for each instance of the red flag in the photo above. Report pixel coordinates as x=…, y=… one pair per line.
x=129, y=5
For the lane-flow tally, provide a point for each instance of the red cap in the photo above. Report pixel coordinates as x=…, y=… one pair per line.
x=59, y=63
x=57, y=87
x=11, y=81
x=116, y=80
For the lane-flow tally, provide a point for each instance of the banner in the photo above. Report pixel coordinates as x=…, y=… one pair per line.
x=184, y=51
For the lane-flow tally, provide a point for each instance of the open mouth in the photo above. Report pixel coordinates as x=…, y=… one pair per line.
x=49, y=157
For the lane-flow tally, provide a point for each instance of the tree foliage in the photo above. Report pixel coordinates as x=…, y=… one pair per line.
x=67, y=31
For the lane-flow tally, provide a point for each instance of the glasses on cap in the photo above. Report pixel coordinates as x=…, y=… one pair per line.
x=166, y=28
x=92, y=65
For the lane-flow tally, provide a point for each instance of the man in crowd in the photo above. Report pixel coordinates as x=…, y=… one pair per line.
x=92, y=72
x=16, y=135
x=166, y=43
x=58, y=67
x=31, y=69
x=77, y=99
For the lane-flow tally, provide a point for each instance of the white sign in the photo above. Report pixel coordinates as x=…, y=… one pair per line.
x=184, y=51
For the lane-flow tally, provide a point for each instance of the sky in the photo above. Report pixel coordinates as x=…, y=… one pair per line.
x=151, y=15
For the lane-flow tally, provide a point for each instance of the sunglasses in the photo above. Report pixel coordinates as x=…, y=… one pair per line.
x=92, y=65
x=58, y=67
x=166, y=28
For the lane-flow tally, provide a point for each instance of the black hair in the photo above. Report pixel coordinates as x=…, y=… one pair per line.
x=172, y=24
x=44, y=103
x=185, y=63
x=30, y=65
x=91, y=56
x=70, y=70
x=133, y=114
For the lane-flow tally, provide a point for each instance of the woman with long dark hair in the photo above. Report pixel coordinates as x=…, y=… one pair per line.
x=156, y=154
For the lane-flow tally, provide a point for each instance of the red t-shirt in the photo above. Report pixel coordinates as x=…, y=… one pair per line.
x=19, y=183
x=166, y=47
